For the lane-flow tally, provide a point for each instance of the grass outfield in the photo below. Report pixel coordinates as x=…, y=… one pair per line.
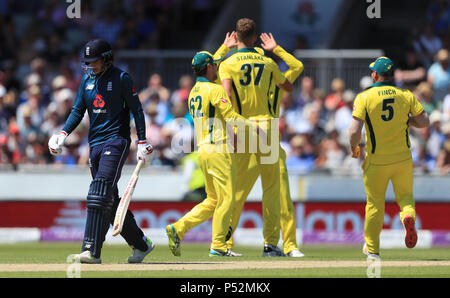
x=49, y=260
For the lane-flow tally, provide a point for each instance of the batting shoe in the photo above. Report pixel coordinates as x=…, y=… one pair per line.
x=272, y=251
x=86, y=257
x=295, y=253
x=174, y=240
x=139, y=255
x=411, y=234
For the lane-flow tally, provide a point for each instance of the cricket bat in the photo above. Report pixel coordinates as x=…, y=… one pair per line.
x=125, y=201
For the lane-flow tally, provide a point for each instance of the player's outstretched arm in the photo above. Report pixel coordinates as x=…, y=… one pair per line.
x=229, y=42
x=295, y=66
x=56, y=141
x=269, y=44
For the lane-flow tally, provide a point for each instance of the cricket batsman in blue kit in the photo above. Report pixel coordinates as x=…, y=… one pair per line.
x=108, y=95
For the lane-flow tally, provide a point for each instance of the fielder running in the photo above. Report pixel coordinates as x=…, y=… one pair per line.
x=108, y=95
x=387, y=112
x=247, y=77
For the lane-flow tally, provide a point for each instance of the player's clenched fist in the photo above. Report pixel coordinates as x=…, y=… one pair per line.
x=56, y=142
x=356, y=152
x=145, y=152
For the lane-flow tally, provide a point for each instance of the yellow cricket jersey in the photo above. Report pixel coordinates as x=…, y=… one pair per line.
x=210, y=107
x=253, y=76
x=385, y=110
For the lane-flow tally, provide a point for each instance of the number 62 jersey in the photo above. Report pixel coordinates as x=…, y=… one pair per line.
x=210, y=108
x=385, y=109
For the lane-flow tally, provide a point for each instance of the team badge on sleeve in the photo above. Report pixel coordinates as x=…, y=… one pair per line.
x=223, y=100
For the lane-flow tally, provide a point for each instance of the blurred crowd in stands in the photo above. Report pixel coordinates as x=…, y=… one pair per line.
x=40, y=72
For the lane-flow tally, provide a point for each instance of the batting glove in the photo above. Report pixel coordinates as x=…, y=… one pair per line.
x=144, y=152
x=56, y=142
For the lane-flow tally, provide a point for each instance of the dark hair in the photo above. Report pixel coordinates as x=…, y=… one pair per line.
x=200, y=72
x=388, y=75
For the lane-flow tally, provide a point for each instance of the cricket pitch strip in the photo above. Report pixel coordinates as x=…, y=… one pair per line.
x=214, y=265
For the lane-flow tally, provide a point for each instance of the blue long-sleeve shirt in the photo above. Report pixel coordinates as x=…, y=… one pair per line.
x=109, y=99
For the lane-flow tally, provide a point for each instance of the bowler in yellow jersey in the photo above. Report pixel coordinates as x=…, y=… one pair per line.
x=287, y=215
x=247, y=77
x=387, y=112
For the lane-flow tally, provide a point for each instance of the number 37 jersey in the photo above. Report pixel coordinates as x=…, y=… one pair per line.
x=385, y=109
x=253, y=77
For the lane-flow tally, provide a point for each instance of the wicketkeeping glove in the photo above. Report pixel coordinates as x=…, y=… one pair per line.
x=56, y=142
x=144, y=152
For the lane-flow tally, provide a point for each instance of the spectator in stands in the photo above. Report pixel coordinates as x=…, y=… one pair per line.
x=334, y=100
x=285, y=103
x=319, y=103
x=410, y=71
x=424, y=161
x=65, y=99
x=436, y=138
x=32, y=109
x=166, y=156
x=315, y=129
x=331, y=153
x=72, y=82
x=39, y=66
x=16, y=144
x=58, y=84
x=3, y=114
x=147, y=31
x=427, y=45
x=296, y=121
x=439, y=16
x=439, y=75
x=446, y=108
x=180, y=129
x=301, y=158
x=155, y=84
x=443, y=160
x=424, y=92
x=5, y=154
x=52, y=123
x=27, y=126
x=306, y=93
x=181, y=95
x=343, y=116
x=365, y=82
x=153, y=129
x=108, y=27
x=157, y=93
